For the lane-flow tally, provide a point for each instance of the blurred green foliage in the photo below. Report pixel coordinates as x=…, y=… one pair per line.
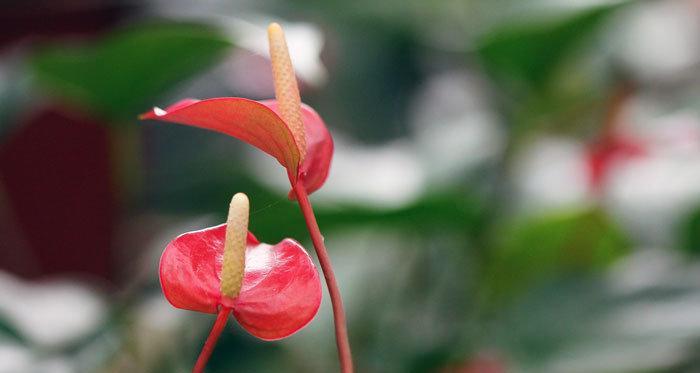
x=541, y=247
x=122, y=74
x=9, y=331
x=525, y=57
x=690, y=233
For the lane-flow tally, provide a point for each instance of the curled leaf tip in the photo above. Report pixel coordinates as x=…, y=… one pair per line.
x=286, y=88
x=233, y=265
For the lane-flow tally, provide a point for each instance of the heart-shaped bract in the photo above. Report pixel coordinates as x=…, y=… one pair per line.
x=281, y=290
x=259, y=124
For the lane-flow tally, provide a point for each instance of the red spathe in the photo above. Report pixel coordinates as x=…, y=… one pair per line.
x=281, y=290
x=258, y=123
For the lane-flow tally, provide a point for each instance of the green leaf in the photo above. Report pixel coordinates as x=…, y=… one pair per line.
x=9, y=331
x=527, y=55
x=120, y=75
x=546, y=246
x=690, y=233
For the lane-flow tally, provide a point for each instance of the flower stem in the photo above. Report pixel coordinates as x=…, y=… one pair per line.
x=341, y=330
x=208, y=348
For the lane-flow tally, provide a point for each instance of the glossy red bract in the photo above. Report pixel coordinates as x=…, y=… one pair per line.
x=319, y=148
x=258, y=124
x=281, y=290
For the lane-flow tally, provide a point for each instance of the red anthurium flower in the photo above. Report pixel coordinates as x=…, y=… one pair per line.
x=286, y=129
x=260, y=124
x=272, y=290
x=296, y=136
x=190, y=275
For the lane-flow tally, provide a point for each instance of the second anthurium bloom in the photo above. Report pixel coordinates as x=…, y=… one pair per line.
x=286, y=129
x=272, y=290
x=297, y=137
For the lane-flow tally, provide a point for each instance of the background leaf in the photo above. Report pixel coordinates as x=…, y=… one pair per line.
x=526, y=56
x=550, y=245
x=120, y=75
x=690, y=233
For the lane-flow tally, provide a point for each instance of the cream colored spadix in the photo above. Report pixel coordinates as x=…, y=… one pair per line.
x=234, y=246
x=286, y=88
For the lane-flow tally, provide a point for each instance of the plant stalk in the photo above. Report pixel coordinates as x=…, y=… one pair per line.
x=341, y=329
x=210, y=343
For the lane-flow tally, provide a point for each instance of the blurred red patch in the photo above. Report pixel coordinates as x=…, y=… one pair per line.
x=603, y=154
x=55, y=170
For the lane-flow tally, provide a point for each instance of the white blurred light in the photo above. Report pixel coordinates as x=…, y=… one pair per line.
x=642, y=270
x=389, y=175
x=642, y=355
x=650, y=194
x=454, y=129
x=157, y=327
x=675, y=135
x=250, y=74
x=14, y=358
x=156, y=314
x=305, y=42
x=551, y=173
x=660, y=40
x=384, y=176
x=248, y=30
x=676, y=318
x=50, y=313
x=54, y=365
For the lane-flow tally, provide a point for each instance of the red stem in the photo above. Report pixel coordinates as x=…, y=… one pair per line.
x=341, y=329
x=210, y=343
